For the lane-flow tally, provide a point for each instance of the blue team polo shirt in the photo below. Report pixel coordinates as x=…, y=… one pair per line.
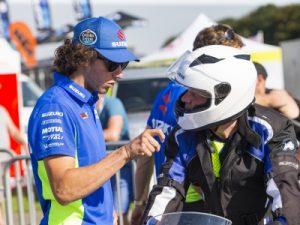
x=65, y=122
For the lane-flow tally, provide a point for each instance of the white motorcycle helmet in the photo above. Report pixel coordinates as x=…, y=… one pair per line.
x=224, y=74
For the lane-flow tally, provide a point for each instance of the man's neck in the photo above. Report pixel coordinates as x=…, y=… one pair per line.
x=224, y=131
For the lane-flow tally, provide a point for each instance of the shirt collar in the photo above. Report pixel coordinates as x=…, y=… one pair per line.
x=75, y=89
x=245, y=130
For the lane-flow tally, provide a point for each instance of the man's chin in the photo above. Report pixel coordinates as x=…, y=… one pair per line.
x=103, y=90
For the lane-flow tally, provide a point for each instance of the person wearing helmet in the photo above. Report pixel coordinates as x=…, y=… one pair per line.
x=163, y=116
x=240, y=155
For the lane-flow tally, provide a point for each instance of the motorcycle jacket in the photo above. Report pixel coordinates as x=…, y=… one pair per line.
x=258, y=171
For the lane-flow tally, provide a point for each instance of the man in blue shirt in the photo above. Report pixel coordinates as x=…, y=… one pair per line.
x=67, y=148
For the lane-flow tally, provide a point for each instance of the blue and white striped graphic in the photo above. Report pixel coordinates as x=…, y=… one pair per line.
x=4, y=19
x=82, y=9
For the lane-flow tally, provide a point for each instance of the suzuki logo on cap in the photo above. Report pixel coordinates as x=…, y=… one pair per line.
x=122, y=42
x=87, y=37
x=121, y=35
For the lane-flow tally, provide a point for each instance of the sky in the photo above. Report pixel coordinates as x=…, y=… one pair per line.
x=165, y=18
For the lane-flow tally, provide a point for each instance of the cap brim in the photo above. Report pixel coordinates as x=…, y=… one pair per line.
x=118, y=55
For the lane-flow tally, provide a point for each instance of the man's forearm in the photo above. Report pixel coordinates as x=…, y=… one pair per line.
x=77, y=183
x=143, y=175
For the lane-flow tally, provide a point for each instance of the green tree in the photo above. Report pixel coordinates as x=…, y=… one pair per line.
x=277, y=23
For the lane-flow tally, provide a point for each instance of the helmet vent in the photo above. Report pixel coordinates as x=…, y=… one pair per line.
x=221, y=92
x=244, y=56
x=205, y=59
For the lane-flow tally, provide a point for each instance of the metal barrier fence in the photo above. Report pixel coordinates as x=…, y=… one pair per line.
x=20, y=182
x=26, y=183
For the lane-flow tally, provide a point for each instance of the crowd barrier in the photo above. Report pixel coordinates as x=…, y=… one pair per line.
x=24, y=186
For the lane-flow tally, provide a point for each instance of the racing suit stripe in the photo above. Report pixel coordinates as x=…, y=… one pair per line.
x=273, y=191
x=161, y=201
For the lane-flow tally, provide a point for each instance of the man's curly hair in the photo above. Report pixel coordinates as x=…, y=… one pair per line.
x=220, y=34
x=69, y=57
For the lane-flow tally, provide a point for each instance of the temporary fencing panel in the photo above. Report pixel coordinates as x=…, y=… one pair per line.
x=20, y=182
x=26, y=184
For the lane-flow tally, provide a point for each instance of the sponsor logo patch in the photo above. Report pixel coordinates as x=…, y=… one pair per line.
x=88, y=37
x=55, y=144
x=74, y=89
x=53, y=137
x=51, y=129
x=166, y=128
x=288, y=145
x=47, y=114
x=181, y=75
x=121, y=35
x=49, y=121
x=287, y=163
x=166, y=100
x=119, y=44
x=84, y=115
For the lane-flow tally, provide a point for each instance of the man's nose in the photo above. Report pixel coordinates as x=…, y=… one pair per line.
x=186, y=97
x=118, y=74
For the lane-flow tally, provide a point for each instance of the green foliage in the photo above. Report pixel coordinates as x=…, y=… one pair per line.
x=25, y=201
x=277, y=23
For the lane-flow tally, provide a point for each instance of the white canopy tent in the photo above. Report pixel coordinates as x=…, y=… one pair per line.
x=270, y=56
x=10, y=60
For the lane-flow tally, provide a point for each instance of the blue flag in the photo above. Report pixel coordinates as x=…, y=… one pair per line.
x=82, y=9
x=4, y=19
x=42, y=15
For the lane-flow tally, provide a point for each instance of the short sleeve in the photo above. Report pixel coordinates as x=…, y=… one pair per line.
x=53, y=132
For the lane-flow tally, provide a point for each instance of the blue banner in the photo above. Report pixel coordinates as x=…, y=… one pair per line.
x=82, y=9
x=4, y=19
x=42, y=15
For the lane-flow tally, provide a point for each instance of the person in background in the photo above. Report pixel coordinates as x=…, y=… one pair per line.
x=7, y=129
x=114, y=122
x=71, y=168
x=241, y=155
x=277, y=99
x=163, y=116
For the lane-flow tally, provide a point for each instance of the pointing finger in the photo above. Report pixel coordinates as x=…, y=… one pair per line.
x=157, y=132
x=153, y=142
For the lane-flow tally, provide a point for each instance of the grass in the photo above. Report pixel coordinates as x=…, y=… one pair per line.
x=25, y=202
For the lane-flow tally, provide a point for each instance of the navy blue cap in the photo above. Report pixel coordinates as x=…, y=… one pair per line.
x=106, y=37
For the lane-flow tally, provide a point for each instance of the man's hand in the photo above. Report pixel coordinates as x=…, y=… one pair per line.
x=144, y=144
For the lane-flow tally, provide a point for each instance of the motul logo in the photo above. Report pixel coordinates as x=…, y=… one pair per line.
x=52, y=129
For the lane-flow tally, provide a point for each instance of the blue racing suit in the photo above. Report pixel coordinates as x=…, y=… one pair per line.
x=258, y=171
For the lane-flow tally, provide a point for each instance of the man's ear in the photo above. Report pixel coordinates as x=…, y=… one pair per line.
x=260, y=78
